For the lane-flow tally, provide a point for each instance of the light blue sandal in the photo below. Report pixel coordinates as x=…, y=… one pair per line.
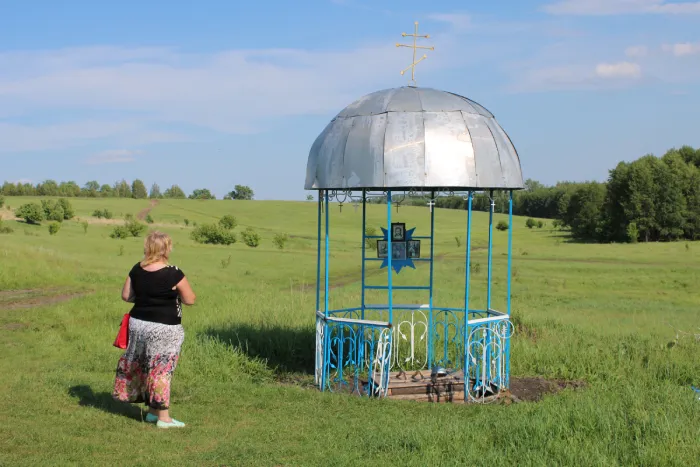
x=150, y=418
x=173, y=424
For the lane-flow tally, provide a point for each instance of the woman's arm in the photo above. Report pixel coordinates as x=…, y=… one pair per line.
x=185, y=291
x=128, y=292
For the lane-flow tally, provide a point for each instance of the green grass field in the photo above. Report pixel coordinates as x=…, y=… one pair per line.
x=602, y=314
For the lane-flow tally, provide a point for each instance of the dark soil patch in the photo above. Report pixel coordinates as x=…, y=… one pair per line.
x=533, y=389
x=145, y=212
x=32, y=298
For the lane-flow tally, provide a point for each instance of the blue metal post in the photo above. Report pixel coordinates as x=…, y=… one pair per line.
x=467, y=278
x=318, y=256
x=325, y=309
x=510, y=245
x=364, y=253
x=431, y=325
x=326, y=336
x=390, y=253
x=488, y=288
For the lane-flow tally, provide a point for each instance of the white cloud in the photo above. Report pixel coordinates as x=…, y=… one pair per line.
x=618, y=70
x=114, y=156
x=458, y=21
x=637, y=51
x=621, y=7
x=234, y=91
x=682, y=49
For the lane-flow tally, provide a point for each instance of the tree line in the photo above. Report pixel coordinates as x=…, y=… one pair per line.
x=121, y=189
x=649, y=199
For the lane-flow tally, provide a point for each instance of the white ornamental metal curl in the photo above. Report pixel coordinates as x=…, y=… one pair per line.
x=381, y=363
x=486, y=358
x=411, y=337
x=318, y=373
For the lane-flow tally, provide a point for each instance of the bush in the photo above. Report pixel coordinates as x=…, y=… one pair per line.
x=213, y=234
x=103, y=213
x=530, y=223
x=120, y=232
x=279, y=240
x=85, y=226
x=557, y=224
x=32, y=213
x=149, y=219
x=540, y=224
x=251, y=237
x=54, y=227
x=502, y=226
x=134, y=227
x=68, y=211
x=5, y=229
x=228, y=222
x=186, y=221
x=2, y=201
x=53, y=211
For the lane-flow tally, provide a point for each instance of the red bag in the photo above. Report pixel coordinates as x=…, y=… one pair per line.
x=122, y=339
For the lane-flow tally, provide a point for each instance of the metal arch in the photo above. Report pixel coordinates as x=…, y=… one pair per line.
x=414, y=139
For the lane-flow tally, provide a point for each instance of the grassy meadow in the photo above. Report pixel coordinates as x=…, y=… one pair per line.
x=621, y=318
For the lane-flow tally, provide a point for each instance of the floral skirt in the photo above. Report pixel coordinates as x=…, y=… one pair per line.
x=145, y=370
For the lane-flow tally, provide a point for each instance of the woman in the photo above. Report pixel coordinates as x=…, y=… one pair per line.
x=157, y=290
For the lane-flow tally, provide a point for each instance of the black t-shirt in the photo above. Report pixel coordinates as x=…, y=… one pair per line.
x=156, y=300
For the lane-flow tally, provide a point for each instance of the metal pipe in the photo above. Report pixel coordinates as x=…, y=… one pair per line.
x=510, y=246
x=364, y=253
x=318, y=256
x=490, y=253
x=390, y=253
x=327, y=246
x=467, y=277
x=431, y=325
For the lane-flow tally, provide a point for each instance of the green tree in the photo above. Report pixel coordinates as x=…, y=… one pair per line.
x=2, y=201
x=32, y=213
x=202, y=193
x=52, y=210
x=174, y=192
x=68, y=211
x=228, y=222
x=138, y=189
x=47, y=188
x=241, y=192
x=155, y=192
x=106, y=191
x=69, y=189
x=91, y=189
x=585, y=212
x=122, y=189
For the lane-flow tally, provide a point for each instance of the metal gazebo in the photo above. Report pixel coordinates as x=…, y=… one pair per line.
x=420, y=142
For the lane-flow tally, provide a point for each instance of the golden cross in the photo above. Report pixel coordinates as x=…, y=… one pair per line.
x=414, y=47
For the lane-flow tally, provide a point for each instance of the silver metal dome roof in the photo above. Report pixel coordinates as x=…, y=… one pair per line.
x=409, y=137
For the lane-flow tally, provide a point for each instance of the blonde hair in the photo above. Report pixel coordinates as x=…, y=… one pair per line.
x=156, y=248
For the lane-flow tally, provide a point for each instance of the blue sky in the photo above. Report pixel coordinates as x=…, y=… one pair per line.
x=217, y=93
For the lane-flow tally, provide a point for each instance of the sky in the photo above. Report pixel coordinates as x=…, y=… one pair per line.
x=211, y=94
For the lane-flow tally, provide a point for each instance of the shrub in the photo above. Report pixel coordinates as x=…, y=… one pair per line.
x=557, y=224
x=68, y=211
x=31, y=213
x=279, y=240
x=251, y=237
x=633, y=233
x=458, y=241
x=540, y=224
x=149, y=219
x=85, y=226
x=228, y=222
x=5, y=229
x=103, y=213
x=53, y=211
x=120, y=232
x=186, y=221
x=530, y=223
x=2, y=201
x=225, y=262
x=134, y=227
x=54, y=227
x=502, y=226
x=213, y=234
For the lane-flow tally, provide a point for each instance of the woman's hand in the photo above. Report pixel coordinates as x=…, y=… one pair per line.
x=185, y=290
x=128, y=292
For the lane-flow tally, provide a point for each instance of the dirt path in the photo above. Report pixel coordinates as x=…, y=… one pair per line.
x=144, y=212
x=32, y=298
